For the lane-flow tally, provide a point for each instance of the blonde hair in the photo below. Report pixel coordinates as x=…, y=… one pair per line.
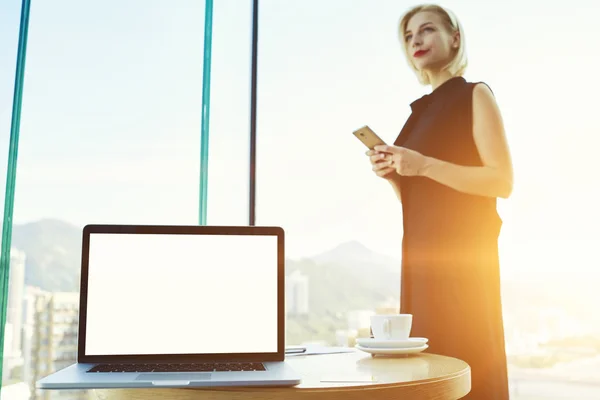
x=459, y=62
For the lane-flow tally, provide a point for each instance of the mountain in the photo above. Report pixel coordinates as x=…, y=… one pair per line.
x=53, y=251
x=345, y=278
x=356, y=255
x=348, y=277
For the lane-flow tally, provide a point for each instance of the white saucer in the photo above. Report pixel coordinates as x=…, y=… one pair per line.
x=392, y=351
x=391, y=343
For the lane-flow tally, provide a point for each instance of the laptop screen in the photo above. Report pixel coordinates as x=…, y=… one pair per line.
x=158, y=294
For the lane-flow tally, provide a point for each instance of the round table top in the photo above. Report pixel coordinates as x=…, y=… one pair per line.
x=345, y=376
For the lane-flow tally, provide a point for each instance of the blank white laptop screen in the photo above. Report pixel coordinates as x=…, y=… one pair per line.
x=153, y=294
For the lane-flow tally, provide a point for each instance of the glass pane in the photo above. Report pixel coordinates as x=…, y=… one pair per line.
x=110, y=134
x=229, y=138
x=326, y=69
x=10, y=14
x=343, y=227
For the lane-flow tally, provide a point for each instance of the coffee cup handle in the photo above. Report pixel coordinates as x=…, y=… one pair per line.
x=386, y=328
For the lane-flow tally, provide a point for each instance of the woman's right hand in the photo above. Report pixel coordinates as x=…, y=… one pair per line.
x=382, y=164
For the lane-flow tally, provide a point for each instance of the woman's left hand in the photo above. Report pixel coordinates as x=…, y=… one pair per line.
x=406, y=162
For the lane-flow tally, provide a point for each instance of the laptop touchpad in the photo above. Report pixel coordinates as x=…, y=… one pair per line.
x=175, y=376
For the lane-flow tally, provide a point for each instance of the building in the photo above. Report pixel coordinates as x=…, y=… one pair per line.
x=13, y=357
x=296, y=294
x=54, y=341
x=29, y=318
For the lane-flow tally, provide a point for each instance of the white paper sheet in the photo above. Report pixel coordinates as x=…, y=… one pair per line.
x=315, y=350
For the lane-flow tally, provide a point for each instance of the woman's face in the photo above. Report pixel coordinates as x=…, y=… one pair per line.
x=428, y=43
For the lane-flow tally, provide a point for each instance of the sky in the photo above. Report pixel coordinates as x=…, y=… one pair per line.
x=111, y=117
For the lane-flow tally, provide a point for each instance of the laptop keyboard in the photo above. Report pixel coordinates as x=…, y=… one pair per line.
x=174, y=367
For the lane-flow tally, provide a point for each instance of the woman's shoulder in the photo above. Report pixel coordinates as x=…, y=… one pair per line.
x=474, y=92
x=479, y=87
x=481, y=94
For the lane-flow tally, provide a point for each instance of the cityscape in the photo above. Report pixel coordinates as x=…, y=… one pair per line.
x=328, y=301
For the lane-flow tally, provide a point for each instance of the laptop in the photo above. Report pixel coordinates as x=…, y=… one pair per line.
x=179, y=306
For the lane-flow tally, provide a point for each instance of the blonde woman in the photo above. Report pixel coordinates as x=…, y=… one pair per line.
x=448, y=166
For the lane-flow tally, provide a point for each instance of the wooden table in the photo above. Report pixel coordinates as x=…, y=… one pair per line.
x=347, y=376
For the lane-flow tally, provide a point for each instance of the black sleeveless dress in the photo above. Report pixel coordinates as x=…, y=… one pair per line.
x=450, y=278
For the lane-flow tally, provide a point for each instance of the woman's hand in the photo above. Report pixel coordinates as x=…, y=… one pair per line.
x=406, y=162
x=381, y=163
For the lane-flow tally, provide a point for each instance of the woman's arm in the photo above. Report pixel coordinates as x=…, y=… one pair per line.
x=495, y=177
x=395, y=182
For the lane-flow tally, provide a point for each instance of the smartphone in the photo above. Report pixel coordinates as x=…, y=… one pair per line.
x=368, y=137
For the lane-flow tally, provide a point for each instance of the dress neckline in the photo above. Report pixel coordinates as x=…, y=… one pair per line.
x=425, y=100
x=448, y=83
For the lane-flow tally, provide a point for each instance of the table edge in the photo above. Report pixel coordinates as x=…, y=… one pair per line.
x=382, y=386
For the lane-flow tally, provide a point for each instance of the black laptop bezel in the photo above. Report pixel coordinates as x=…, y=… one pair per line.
x=279, y=355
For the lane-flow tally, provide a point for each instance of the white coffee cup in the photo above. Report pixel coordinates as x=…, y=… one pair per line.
x=391, y=326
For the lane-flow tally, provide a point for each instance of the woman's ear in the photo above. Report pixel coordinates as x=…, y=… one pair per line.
x=456, y=40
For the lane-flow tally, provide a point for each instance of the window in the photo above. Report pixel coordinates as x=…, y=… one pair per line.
x=110, y=133
x=315, y=86
x=9, y=34
x=325, y=69
x=229, y=139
